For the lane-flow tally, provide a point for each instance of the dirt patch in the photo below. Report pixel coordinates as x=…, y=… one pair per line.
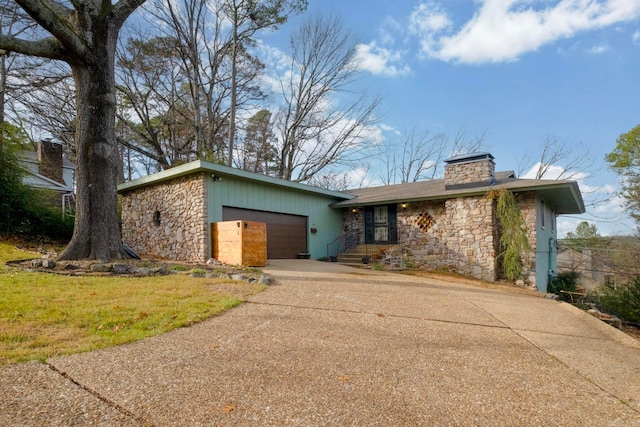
x=139, y=268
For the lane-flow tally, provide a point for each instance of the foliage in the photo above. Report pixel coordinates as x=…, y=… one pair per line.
x=24, y=211
x=44, y=315
x=585, y=235
x=564, y=281
x=514, y=243
x=258, y=153
x=623, y=301
x=625, y=160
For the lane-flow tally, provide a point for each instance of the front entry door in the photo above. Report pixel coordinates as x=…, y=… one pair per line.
x=380, y=224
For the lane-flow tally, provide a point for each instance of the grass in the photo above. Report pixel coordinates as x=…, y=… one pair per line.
x=44, y=315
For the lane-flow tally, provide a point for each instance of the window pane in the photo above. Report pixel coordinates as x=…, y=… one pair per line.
x=381, y=215
x=381, y=233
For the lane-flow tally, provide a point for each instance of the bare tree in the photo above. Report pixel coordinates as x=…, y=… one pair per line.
x=568, y=161
x=324, y=120
x=84, y=34
x=416, y=155
x=247, y=17
x=218, y=71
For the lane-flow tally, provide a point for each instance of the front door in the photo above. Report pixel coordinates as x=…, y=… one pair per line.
x=380, y=224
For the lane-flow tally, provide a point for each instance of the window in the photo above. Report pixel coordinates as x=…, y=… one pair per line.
x=542, y=214
x=381, y=224
x=553, y=221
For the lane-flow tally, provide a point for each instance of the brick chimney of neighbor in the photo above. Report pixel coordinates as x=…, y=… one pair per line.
x=473, y=168
x=50, y=160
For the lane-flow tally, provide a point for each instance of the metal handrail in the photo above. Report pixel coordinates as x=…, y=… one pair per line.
x=342, y=243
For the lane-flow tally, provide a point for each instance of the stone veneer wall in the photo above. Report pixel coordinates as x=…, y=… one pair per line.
x=183, y=231
x=470, y=172
x=528, y=208
x=461, y=238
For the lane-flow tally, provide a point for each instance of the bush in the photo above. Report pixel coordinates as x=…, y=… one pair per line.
x=565, y=281
x=26, y=212
x=622, y=300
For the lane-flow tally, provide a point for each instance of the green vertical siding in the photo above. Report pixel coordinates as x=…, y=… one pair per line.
x=239, y=193
x=546, y=254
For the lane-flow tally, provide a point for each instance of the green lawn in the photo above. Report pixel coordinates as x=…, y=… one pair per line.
x=44, y=315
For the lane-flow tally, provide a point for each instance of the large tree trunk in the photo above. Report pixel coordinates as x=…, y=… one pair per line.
x=96, y=233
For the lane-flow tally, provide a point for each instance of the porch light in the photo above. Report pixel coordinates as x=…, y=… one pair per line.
x=354, y=210
x=404, y=206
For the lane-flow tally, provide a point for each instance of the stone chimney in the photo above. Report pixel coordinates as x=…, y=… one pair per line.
x=473, y=168
x=50, y=160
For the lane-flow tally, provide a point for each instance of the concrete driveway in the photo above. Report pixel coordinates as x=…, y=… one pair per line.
x=329, y=345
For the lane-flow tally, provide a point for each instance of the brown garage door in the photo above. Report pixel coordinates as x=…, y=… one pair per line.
x=286, y=234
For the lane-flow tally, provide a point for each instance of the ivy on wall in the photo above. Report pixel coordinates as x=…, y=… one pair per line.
x=514, y=243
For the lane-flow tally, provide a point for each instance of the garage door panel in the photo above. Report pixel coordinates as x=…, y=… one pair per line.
x=286, y=234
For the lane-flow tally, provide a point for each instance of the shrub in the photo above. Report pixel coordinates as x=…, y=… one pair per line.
x=565, y=281
x=26, y=212
x=622, y=300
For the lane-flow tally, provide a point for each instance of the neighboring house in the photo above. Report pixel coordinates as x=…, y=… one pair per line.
x=446, y=223
x=49, y=169
x=609, y=260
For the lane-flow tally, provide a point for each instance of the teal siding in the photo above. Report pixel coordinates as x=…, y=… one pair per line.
x=239, y=193
x=546, y=235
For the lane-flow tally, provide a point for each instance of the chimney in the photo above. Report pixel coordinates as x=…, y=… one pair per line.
x=473, y=168
x=50, y=160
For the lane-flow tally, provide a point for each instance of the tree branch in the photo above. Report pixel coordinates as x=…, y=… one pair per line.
x=57, y=20
x=123, y=9
x=46, y=48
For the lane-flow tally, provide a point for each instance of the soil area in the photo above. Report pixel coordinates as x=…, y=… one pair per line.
x=44, y=261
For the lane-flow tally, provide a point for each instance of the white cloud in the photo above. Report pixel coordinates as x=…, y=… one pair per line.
x=380, y=61
x=598, y=49
x=503, y=30
x=636, y=37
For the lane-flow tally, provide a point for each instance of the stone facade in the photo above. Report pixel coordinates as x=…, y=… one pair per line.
x=168, y=220
x=469, y=172
x=528, y=208
x=459, y=238
x=458, y=234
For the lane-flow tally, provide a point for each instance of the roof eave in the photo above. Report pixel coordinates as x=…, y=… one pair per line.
x=224, y=171
x=549, y=187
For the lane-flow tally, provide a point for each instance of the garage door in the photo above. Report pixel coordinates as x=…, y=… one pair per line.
x=286, y=234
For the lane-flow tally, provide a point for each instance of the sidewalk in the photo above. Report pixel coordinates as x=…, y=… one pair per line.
x=329, y=345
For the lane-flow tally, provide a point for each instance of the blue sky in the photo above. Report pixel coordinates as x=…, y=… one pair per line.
x=521, y=71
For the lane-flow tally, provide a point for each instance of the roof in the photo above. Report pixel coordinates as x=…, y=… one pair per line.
x=563, y=195
x=225, y=171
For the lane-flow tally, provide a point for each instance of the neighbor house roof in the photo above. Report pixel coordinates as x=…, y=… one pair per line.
x=221, y=171
x=563, y=195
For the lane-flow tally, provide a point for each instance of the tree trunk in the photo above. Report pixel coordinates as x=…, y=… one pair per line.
x=96, y=234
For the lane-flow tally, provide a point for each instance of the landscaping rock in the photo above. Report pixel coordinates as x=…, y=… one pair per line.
x=213, y=261
x=48, y=263
x=120, y=268
x=265, y=280
x=36, y=262
x=100, y=268
x=239, y=277
x=143, y=271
